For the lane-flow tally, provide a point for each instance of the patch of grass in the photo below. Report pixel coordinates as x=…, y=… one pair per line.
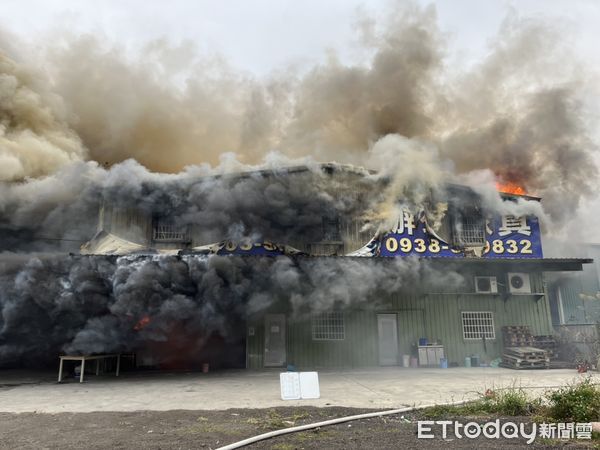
x=579, y=402
x=509, y=402
x=514, y=402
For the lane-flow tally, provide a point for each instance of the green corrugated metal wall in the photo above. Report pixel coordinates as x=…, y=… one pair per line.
x=435, y=316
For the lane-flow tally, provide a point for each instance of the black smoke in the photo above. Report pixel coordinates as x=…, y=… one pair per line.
x=284, y=205
x=52, y=305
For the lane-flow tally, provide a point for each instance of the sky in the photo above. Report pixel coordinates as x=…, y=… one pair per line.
x=260, y=36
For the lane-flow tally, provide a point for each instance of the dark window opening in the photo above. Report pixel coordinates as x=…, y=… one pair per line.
x=331, y=229
x=165, y=230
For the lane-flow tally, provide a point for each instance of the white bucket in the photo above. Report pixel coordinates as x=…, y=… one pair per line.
x=405, y=360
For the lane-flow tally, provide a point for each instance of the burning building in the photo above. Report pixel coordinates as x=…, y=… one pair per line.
x=311, y=279
x=301, y=263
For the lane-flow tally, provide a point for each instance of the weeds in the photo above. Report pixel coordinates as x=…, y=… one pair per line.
x=513, y=402
x=578, y=402
x=510, y=402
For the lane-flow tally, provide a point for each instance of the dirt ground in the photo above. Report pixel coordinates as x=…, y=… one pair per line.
x=212, y=429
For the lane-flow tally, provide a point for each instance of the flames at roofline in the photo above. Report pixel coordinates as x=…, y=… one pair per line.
x=510, y=188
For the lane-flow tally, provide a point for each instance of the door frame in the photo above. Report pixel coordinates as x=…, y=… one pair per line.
x=396, y=361
x=283, y=331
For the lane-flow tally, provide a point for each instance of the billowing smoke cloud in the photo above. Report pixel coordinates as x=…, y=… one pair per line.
x=35, y=139
x=518, y=113
x=61, y=211
x=105, y=304
x=157, y=131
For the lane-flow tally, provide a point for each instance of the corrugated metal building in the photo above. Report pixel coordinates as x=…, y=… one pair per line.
x=575, y=297
x=383, y=329
x=464, y=323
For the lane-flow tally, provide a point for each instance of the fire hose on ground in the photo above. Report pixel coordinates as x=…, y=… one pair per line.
x=310, y=426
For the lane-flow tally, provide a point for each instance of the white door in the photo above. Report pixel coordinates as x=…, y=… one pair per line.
x=388, y=339
x=274, y=340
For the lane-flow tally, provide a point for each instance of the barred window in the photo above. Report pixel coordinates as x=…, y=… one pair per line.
x=167, y=231
x=328, y=326
x=478, y=325
x=470, y=228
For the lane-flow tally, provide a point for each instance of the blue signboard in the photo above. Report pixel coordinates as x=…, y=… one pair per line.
x=247, y=247
x=506, y=237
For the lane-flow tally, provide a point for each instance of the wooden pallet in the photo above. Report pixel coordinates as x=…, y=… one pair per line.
x=526, y=353
x=521, y=350
x=524, y=361
x=518, y=343
x=518, y=328
x=510, y=366
x=517, y=336
x=525, y=358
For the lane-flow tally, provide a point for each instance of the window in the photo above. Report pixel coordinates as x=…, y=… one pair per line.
x=331, y=229
x=328, y=326
x=165, y=230
x=478, y=325
x=470, y=228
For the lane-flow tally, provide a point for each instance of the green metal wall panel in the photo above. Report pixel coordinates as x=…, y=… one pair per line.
x=411, y=327
x=434, y=316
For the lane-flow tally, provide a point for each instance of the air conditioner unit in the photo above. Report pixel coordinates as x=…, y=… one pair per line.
x=519, y=283
x=486, y=285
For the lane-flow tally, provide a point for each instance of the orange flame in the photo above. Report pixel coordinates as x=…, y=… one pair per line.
x=510, y=188
x=142, y=323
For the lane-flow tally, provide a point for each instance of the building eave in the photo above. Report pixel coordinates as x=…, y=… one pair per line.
x=525, y=264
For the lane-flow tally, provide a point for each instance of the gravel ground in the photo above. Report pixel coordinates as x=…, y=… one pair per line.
x=212, y=429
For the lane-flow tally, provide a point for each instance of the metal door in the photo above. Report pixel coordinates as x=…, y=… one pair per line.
x=388, y=339
x=274, y=340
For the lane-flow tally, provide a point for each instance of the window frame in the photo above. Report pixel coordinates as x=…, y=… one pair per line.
x=469, y=227
x=328, y=326
x=482, y=333
x=170, y=230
